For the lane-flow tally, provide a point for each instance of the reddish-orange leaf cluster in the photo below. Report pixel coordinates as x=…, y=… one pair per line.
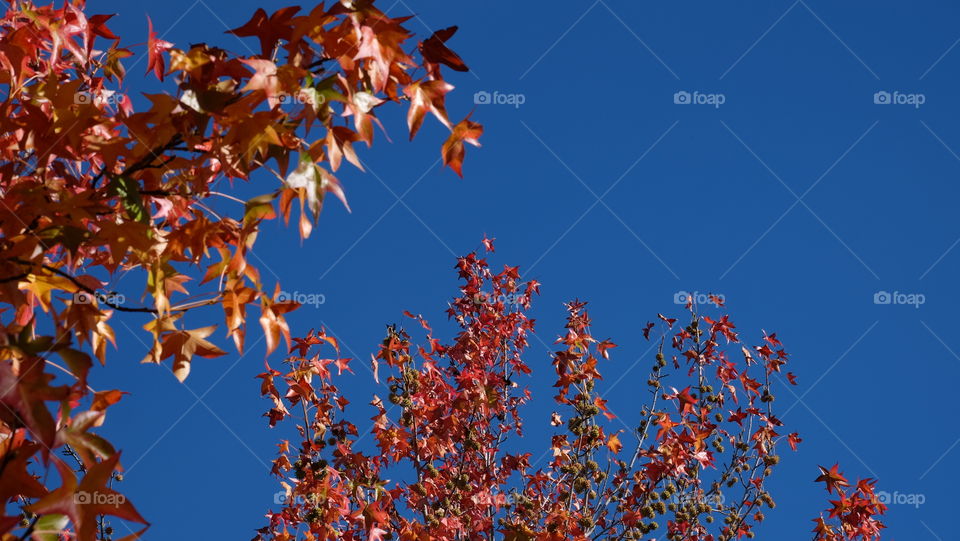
x=855, y=513
x=455, y=406
x=92, y=186
x=693, y=467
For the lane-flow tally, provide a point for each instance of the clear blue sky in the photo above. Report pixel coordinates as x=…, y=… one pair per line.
x=798, y=198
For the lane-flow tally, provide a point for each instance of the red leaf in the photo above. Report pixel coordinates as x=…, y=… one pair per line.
x=793, y=440
x=98, y=25
x=646, y=330
x=832, y=478
x=427, y=96
x=488, y=244
x=466, y=131
x=155, y=49
x=604, y=346
x=268, y=30
x=435, y=52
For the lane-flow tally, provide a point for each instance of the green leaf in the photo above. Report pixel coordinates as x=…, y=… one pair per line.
x=259, y=207
x=128, y=191
x=48, y=527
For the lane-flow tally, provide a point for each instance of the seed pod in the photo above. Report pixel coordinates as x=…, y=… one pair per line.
x=581, y=484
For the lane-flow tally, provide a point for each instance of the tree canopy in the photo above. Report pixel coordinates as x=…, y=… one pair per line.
x=93, y=187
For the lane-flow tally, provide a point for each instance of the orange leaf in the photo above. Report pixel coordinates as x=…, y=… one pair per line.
x=614, y=444
x=466, y=131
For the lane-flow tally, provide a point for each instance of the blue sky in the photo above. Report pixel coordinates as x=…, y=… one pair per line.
x=798, y=198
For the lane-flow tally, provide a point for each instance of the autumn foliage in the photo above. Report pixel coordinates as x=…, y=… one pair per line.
x=691, y=465
x=96, y=183
x=854, y=514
